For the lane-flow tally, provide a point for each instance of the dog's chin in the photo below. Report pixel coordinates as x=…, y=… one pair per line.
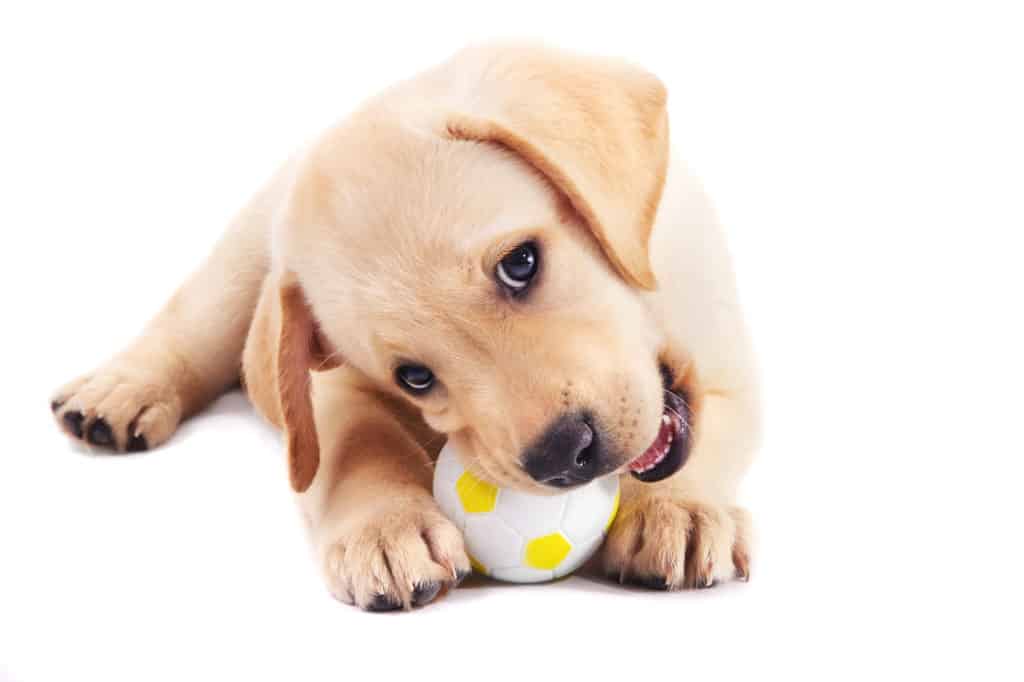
x=671, y=447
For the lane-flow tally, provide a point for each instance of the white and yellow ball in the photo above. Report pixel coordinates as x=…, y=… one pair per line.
x=523, y=538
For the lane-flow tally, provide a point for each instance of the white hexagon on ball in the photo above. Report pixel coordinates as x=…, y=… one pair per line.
x=586, y=512
x=496, y=545
x=517, y=537
x=531, y=515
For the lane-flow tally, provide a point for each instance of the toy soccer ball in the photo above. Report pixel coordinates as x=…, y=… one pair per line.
x=524, y=538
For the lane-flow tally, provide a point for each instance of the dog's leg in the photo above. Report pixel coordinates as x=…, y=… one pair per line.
x=686, y=531
x=381, y=540
x=378, y=535
x=186, y=356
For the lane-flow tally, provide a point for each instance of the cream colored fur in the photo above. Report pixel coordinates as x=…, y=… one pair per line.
x=377, y=243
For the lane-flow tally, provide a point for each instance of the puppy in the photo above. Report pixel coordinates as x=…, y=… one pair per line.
x=499, y=251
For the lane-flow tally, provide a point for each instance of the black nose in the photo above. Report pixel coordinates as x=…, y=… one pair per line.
x=567, y=454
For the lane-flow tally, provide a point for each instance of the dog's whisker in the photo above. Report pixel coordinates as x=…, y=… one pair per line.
x=681, y=399
x=431, y=443
x=675, y=411
x=327, y=360
x=682, y=419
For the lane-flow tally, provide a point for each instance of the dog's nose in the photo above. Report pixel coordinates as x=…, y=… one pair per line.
x=567, y=454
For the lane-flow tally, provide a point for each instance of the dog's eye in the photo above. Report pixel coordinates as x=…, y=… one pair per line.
x=518, y=267
x=415, y=378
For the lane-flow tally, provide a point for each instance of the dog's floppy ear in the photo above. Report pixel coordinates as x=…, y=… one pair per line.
x=301, y=349
x=596, y=128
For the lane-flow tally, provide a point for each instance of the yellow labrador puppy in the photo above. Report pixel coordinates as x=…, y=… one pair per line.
x=499, y=251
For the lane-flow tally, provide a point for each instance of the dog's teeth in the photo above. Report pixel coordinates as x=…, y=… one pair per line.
x=653, y=458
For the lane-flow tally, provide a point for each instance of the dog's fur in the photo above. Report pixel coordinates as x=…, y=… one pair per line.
x=377, y=244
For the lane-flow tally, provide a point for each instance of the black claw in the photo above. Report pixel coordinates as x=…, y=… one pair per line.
x=100, y=433
x=383, y=602
x=652, y=582
x=137, y=443
x=460, y=576
x=56, y=405
x=424, y=593
x=706, y=585
x=73, y=421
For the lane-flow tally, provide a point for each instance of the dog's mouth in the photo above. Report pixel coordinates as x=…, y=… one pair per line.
x=671, y=447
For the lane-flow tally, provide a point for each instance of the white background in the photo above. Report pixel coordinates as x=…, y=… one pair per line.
x=867, y=160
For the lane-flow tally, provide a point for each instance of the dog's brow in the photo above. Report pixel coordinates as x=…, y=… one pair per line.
x=513, y=221
x=480, y=238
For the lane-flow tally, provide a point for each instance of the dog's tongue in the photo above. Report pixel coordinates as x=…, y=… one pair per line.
x=658, y=449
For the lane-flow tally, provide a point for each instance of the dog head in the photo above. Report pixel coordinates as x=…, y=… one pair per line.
x=476, y=241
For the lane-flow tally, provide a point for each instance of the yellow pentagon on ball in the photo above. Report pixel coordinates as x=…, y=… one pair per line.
x=615, y=510
x=547, y=552
x=477, y=566
x=476, y=496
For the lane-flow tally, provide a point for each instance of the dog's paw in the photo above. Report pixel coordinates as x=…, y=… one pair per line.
x=395, y=559
x=121, y=407
x=665, y=541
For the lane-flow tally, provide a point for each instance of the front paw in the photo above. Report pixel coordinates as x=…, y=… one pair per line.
x=126, y=406
x=665, y=541
x=389, y=560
